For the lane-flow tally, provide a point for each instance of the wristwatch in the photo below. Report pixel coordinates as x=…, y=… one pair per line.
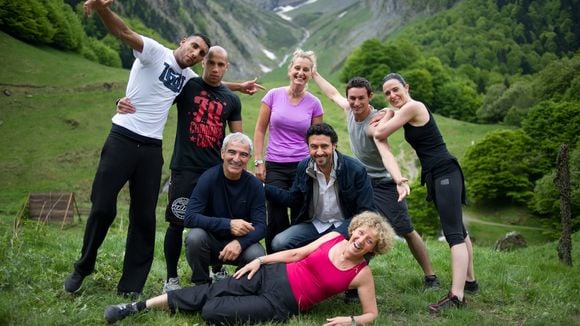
x=258, y=162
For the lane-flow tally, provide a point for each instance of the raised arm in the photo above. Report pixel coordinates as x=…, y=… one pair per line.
x=114, y=24
x=330, y=91
x=365, y=286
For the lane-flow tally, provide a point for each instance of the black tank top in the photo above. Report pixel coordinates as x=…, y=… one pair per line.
x=429, y=145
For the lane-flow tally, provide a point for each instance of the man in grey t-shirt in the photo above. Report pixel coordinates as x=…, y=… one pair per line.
x=389, y=187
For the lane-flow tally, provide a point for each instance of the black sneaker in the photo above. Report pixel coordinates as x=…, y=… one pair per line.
x=117, y=312
x=471, y=287
x=351, y=296
x=132, y=296
x=431, y=282
x=73, y=282
x=448, y=301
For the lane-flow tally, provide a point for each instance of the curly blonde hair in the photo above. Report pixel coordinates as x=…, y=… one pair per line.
x=385, y=233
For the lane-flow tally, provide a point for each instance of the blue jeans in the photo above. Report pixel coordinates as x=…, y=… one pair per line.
x=302, y=234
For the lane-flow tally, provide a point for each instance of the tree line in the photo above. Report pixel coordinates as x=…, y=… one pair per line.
x=509, y=62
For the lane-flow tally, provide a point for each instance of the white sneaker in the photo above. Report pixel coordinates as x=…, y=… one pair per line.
x=171, y=284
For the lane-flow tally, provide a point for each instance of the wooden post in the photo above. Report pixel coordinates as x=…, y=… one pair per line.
x=562, y=182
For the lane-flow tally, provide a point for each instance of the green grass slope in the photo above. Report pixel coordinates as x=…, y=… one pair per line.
x=525, y=287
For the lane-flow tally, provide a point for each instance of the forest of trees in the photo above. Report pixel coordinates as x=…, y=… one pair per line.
x=518, y=65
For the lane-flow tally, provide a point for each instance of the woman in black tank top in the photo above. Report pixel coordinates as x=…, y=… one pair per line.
x=442, y=174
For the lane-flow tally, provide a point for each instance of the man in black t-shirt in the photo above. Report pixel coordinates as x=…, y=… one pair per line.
x=204, y=107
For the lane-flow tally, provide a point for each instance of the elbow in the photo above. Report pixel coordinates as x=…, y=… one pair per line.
x=379, y=136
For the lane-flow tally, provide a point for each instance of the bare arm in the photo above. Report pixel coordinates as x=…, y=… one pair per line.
x=330, y=91
x=114, y=24
x=236, y=126
x=259, y=137
x=285, y=256
x=365, y=286
x=391, y=165
x=249, y=87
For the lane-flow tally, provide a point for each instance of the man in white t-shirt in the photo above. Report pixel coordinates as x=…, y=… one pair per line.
x=132, y=151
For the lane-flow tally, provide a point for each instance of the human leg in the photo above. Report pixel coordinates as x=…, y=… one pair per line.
x=250, y=253
x=265, y=297
x=385, y=197
x=280, y=175
x=199, y=248
x=448, y=189
x=181, y=185
x=144, y=190
x=109, y=179
x=114, y=313
x=295, y=236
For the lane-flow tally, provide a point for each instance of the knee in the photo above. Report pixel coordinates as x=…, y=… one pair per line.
x=252, y=252
x=454, y=239
x=195, y=239
x=279, y=243
x=212, y=315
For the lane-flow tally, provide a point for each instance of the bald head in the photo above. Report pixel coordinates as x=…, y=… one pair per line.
x=217, y=50
x=215, y=65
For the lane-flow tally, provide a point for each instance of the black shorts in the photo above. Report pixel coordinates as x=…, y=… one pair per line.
x=181, y=185
x=385, y=198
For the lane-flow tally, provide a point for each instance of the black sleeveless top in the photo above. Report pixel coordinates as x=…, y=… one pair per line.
x=435, y=159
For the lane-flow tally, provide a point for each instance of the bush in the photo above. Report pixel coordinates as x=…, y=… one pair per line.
x=502, y=167
x=423, y=213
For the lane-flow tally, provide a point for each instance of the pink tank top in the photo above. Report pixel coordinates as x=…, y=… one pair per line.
x=315, y=278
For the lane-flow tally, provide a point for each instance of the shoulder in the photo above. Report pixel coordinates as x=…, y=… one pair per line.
x=211, y=173
x=252, y=180
x=312, y=97
x=350, y=161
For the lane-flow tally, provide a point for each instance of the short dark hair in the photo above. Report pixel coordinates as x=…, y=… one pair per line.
x=322, y=129
x=204, y=38
x=359, y=82
x=396, y=76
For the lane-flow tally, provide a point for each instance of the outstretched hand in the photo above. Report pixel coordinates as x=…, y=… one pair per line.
x=91, y=5
x=250, y=87
x=335, y=321
x=250, y=268
x=403, y=189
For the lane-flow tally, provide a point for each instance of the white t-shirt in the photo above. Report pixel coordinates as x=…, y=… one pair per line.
x=154, y=82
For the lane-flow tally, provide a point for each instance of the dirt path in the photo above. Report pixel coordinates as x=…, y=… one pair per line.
x=469, y=219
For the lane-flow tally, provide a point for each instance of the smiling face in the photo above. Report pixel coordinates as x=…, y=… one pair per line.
x=300, y=72
x=191, y=51
x=396, y=93
x=321, y=149
x=235, y=156
x=362, y=241
x=359, y=101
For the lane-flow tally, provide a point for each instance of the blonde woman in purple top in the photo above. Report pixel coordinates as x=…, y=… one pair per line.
x=287, y=112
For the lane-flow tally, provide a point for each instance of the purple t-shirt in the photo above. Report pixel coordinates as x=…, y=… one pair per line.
x=288, y=125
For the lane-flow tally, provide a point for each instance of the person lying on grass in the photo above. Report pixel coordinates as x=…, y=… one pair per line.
x=277, y=286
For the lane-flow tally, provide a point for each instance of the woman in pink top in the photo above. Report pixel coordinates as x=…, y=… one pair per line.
x=289, y=282
x=287, y=112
